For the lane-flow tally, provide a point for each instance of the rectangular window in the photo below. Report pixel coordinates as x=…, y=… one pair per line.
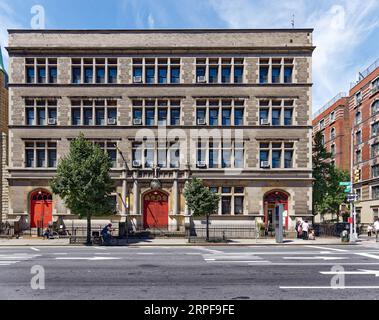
x=137, y=116
x=29, y=116
x=263, y=75
x=88, y=74
x=275, y=74
x=100, y=116
x=375, y=192
x=76, y=75
x=288, y=117
x=53, y=74
x=162, y=156
x=238, y=116
x=238, y=154
x=214, y=147
x=175, y=116
x=162, y=75
x=213, y=74
x=213, y=117
x=52, y=156
x=375, y=129
x=41, y=74
x=263, y=116
x=226, y=203
x=375, y=150
x=174, y=155
x=175, y=75
x=276, y=117
x=225, y=74
x=112, y=74
x=75, y=117
x=162, y=116
x=112, y=116
x=238, y=74
x=238, y=204
x=150, y=75
x=288, y=74
x=276, y=158
x=29, y=155
x=200, y=116
x=137, y=73
x=226, y=117
x=200, y=73
x=30, y=76
x=87, y=114
x=100, y=75
x=149, y=155
x=375, y=171
x=288, y=155
x=41, y=116
x=226, y=155
x=150, y=117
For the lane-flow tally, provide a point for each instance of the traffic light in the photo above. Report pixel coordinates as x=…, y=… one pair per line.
x=357, y=175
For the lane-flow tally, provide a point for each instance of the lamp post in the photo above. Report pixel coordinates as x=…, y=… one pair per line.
x=125, y=192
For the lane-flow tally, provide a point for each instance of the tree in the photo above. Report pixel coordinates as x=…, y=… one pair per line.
x=321, y=171
x=200, y=200
x=83, y=181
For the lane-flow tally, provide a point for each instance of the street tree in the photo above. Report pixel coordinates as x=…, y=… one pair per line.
x=83, y=181
x=321, y=170
x=201, y=200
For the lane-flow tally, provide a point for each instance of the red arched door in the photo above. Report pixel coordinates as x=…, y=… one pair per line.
x=155, y=206
x=41, y=209
x=271, y=200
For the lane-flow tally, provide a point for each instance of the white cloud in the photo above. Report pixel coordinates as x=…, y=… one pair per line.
x=150, y=21
x=340, y=30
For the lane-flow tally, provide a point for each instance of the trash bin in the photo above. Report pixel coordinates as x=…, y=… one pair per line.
x=345, y=236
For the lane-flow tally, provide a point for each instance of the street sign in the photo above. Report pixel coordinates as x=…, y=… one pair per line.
x=348, y=189
x=345, y=184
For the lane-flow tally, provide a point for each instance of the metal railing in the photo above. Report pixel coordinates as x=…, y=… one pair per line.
x=329, y=103
x=362, y=75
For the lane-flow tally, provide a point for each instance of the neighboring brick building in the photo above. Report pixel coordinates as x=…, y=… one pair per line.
x=3, y=138
x=364, y=121
x=118, y=85
x=333, y=122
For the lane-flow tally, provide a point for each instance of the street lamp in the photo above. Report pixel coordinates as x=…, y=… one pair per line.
x=124, y=193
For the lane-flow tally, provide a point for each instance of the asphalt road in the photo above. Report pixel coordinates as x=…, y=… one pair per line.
x=200, y=273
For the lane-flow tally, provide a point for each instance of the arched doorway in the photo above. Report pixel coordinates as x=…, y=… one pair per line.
x=271, y=200
x=41, y=209
x=155, y=207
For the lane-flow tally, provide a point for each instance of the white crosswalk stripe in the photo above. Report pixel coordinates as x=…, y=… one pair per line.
x=10, y=259
x=233, y=258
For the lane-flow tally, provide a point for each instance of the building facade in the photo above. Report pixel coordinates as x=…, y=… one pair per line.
x=3, y=138
x=232, y=107
x=364, y=124
x=332, y=121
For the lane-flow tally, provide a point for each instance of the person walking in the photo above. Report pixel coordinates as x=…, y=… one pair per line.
x=305, y=228
x=369, y=230
x=376, y=228
x=106, y=233
x=299, y=231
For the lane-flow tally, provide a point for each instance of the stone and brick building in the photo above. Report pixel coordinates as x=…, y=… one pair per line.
x=3, y=138
x=332, y=120
x=230, y=106
x=364, y=123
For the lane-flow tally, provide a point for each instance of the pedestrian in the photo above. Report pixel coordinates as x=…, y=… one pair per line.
x=376, y=228
x=311, y=235
x=106, y=233
x=305, y=229
x=46, y=234
x=369, y=230
x=299, y=229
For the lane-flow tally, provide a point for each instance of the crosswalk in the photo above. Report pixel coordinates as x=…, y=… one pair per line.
x=10, y=259
x=234, y=258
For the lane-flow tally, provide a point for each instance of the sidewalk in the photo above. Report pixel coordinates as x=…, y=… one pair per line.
x=184, y=242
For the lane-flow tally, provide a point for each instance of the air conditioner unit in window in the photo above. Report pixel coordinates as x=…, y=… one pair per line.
x=265, y=164
x=201, y=121
x=51, y=121
x=201, y=79
x=265, y=122
x=112, y=121
x=201, y=164
x=136, y=163
x=137, y=79
x=137, y=121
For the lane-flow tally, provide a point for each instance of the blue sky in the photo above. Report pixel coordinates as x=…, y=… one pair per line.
x=346, y=31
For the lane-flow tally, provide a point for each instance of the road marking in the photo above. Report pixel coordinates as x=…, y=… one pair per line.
x=368, y=255
x=91, y=259
x=359, y=272
x=329, y=287
x=315, y=258
x=99, y=248
x=145, y=253
x=327, y=248
x=34, y=249
x=237, y=261
x=210, y=250
x=60, y=253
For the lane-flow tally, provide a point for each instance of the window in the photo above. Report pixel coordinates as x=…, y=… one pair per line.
x=159, y=112
x=375, y=150
x=208, y=70
x=230, y=153
x=322, y=124
x=281, y=70
x=93, y=112
x=40, y=154
x=275, y=74
x=200, y=115
x=358, y=137
x=263, y=70
x=94, y=70
x=276, y=154
x=333, y=150
x=375, y=86
x=358, y=156
x=276, y=112
x=110, y=148
x=375, y=192
x=375, y=129
x=375, y=171
x=156, y=70
x=232, y=200
x=149, y=153
x=288, y=74
x=238, y=116
x=40, y=112
x=213, y=117
x=226, y=117
x=224, y=112
x=375, y=107
x=238, y=200
x=41, y=70
x=358, y=98
x=332, y=133
x=332, y=116
x=358, y=117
